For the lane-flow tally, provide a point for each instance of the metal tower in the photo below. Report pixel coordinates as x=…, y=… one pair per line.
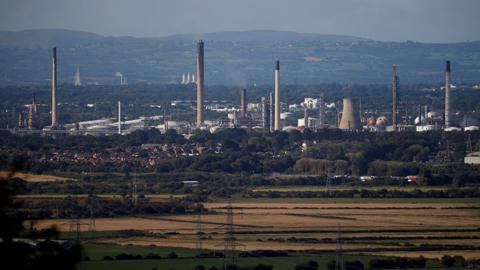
x=338, y=252
x=198, y=242
x=230, y=242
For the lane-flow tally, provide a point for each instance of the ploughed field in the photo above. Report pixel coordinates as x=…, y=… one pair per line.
x=400, y=227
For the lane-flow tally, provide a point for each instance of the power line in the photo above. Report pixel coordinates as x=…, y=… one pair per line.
x=198, y=241
x=338, y=252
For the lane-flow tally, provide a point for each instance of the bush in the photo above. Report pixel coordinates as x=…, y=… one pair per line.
x=448, y=261
x=353, y=265
x=310, y=265
x=172, y=255
x=152, y=256
x=398, y=263
x=125, y=256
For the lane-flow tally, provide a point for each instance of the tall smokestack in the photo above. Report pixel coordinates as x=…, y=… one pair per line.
x=305, y=117
x=200, y=72
x=271, y=103
x=243, y=103
x=54, y=88
x=447, y=95
x=265, y=114
x=277, y=97
x=321, y=111
x=394, y=97
x=119, y=117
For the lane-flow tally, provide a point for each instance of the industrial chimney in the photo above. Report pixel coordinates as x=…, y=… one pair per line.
x=200, y=74
x=350, y=116
x=119, y=118
x=277, y=96
x=272, y=112
x=54, y=88
x=265, y=114
x=243, y=103
x=321, y=111
x=394, y=97
x=447, y=95
x=305, y=116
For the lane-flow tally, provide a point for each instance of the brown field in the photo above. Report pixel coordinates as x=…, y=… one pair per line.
x=268, y=225
x=217, y=244
x=29, y=177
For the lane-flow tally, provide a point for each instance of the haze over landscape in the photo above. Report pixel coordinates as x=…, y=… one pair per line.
x=239, y=135
x=424, y=21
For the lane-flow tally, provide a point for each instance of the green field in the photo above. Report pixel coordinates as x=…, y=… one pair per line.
x=237, y=198
x=187, y=261
x=103, y=196
x=321, y=188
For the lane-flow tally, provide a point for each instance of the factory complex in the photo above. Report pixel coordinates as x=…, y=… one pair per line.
x=268, y=113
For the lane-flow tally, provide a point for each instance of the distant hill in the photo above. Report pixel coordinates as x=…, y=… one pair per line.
x=232, y=58
x=268, y=36
x=46, y=38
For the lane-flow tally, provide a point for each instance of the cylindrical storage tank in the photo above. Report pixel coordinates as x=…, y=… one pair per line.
x=371, y=121
x=382, y=121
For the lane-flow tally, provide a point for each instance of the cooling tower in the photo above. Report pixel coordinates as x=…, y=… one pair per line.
x=243, y=103
x=200, y=72
x=277, y=96
x=54, y=88
x=350, y=116
x=447, y=95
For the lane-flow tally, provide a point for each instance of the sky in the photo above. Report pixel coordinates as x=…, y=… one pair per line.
x=386, y=20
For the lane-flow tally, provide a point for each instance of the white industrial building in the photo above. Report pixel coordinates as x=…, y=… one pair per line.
x=472, y=158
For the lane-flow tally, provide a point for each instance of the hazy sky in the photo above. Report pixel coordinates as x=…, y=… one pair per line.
x=399, y=20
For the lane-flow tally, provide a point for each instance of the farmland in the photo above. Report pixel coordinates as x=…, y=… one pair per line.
x=407, y=227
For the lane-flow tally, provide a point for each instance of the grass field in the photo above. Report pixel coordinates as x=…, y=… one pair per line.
x=152, y=197
x=428, y=201
x=187, y=261
x=345, y=187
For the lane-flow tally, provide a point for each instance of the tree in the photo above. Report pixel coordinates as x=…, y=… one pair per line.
x=460, y=260
x=46, y=254
x=448, y=261
x=199, y=267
